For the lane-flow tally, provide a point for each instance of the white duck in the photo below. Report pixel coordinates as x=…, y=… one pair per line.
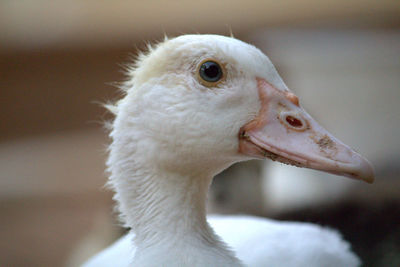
x=195, y=105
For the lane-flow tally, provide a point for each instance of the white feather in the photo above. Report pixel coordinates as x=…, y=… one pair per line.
x=257, y=242
x=171, y=136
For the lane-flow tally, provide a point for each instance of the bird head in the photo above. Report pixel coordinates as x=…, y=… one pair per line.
x=202, y=102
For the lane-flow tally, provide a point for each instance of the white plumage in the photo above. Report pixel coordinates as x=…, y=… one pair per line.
x=195, y=105
x=258, y=242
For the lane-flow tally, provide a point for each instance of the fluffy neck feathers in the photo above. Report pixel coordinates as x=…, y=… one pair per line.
x=166, y=211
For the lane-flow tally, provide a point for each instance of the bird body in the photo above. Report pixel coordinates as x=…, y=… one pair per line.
x=257, y=241
x=193, y=106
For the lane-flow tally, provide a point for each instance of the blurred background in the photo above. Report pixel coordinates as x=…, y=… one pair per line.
x=58, y=61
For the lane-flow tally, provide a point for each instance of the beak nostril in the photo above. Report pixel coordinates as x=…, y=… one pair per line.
x=294, y=122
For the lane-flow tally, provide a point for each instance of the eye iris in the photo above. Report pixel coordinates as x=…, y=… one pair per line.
x=210, y=71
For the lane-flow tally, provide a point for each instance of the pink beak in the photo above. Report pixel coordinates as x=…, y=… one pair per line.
x=283, y=131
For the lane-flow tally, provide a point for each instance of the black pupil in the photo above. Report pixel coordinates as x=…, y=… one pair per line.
x=210, y=71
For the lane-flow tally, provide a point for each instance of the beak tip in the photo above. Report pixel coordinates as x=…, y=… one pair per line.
x=360, y=169
x=367, y=173
x=369, y=180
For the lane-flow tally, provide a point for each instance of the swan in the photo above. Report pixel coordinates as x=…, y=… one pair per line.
x=193, y=106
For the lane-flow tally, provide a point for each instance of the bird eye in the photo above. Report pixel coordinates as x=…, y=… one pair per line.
x=210, y=73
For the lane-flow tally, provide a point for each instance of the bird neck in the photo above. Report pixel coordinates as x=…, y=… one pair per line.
x=167, y=214
x=166, y=204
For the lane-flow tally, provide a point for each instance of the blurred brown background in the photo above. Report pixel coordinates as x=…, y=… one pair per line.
x=58, y=61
